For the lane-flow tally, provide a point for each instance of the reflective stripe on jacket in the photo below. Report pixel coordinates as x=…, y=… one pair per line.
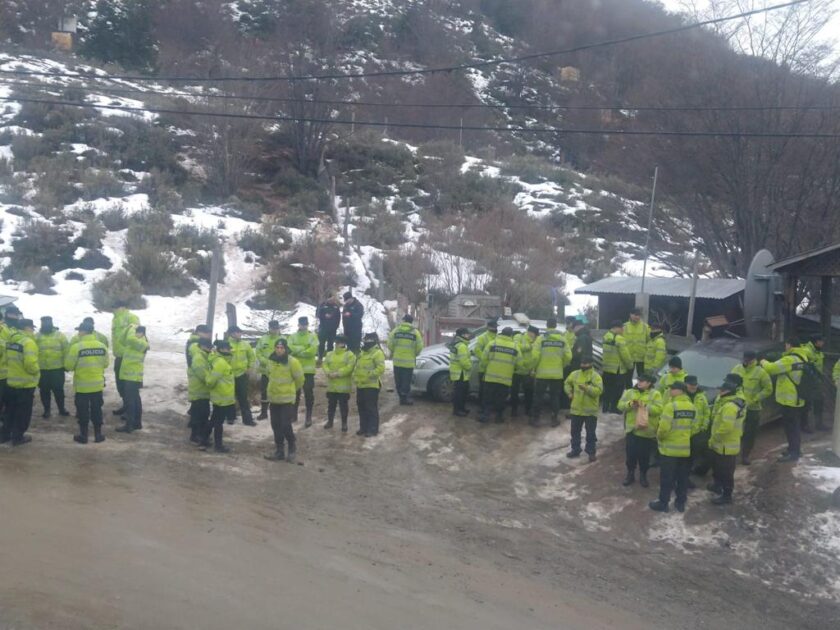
x=22, y=357
x=134, y=357
x=704, y=414
x=460, y=360
x=656, y=354
x=637, y=336
x=303, y=346
x=52, y=347
x=480, y=346
x=674, y=431
x=788, y=373
x=728, y=425
x=341, y=363
x=265, y=348
x=405, y=342
x=284, y=379
x=88, y=360
x=664, y=384
x=584, y=387
x=499, y=360
x=551, y=355
x=757, y=384
x=616, y=357
x=528, y=351
x=242, y=356
x=197, y=375
x=651, y=399
x=120, y=325
x=370, y=366
x=220, y=381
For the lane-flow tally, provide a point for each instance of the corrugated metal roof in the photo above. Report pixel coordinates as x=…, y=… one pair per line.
x=707, y=288
x=798, y=258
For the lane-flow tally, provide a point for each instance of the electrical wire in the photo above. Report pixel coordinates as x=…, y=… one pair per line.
x=424, y=71
x=404, y=125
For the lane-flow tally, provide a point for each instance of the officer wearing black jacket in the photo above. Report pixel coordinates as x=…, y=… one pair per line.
x=351, y=318
x=582, y=347
x=329, y=318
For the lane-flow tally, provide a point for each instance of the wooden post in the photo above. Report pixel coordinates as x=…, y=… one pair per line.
x=825, y=308
x=346, y=230
x=790, y=306
x=692, y=301
x=215, y=270
x=333, y=199
x=230, y=311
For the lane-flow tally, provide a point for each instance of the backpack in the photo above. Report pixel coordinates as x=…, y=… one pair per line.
x=810, y=385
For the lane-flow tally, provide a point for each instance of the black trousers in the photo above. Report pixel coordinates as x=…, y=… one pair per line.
x=480, y=389
x=264, y=389
x=340, y=401
x=51, y=384
x=460, y=393
x=220, y=414
x=2, y=398
x=495, y=399
x=367, y=401
x=308, y=390
x=614, y=385
x=637, y=450
x=120, y=383
x=565, y=402
x=199, y=415
x=240, y=384
x=813, y=407
x=751, y=424
x=133, y=404
x=326, y=341
x=724, y=472
x=89, y=410
x=792, y=420
x=553, y=387
x=522, y=383
x=402, y=381
x=354, y=337
x=591, y=424
x=281, y=424
x=673, y=475
x=18, y=411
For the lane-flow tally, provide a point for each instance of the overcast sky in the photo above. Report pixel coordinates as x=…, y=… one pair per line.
x=832, y=30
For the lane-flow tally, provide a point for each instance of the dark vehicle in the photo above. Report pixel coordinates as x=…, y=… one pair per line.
x=710, y=361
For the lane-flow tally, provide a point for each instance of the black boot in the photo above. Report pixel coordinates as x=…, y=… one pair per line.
x=308, y=422
x=263, y=412
x=291, y=458
x=643, y=480
x=82, y=437
x=344, y=426
x=278, y=455
x=97, y=433
x=534, y=421
x=723, y=499
x=329, y=423
x=63, y=412
x=555, y=421
x=629, y=479
x=126, y=428
x=658, y=506
x=715, y=488
x=119, y=412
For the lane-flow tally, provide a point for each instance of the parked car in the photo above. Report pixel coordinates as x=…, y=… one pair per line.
x=431, y=371
x=710, y=361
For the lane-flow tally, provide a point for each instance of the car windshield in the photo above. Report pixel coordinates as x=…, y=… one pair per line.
x=709, y=369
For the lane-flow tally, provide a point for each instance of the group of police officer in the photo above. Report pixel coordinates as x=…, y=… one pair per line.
x=671, y=423
x=29, y=361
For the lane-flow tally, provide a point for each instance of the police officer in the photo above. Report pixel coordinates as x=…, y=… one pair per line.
x=725, y=440
x=405, y=342
x=551, y=356
x=673, y=436
x=285, y=379
x=352, y=314
x=700, y=459
x=52, y=346
x=121, y=324
x=222, y=387
x=584, y=387
x=242, y=359
x=197, y=390
x=101, y=338
x=338, y=367
x=788, y=372
x=88, y=359
x=640, y=439
x=484, y=339
x=23, y=375
x=329, y=318
x=656, y=351
x=367, y=375
x=757, y=387
x=134, y=349
x=264, y=349
x=816, y=405
x=676, y=374
x=303, y=346
x=615, y=364
x=499, y=361
x=201, y=331
x=460, y=371
x=523, y=377
x=637, y=334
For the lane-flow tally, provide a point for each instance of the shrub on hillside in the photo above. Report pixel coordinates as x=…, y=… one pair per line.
x=39, y=279
x=306, y=273
x=27, y=148
x=266, y=242
x=532, y=169
x=379, y=228
x=96, y=184
x=39, y=244
x=162, y=190
x=92, y=234
x=120, y=32
x=114, y=219
x=94, y=259
x=200, y=266
x=158, y=271
x=118, y=288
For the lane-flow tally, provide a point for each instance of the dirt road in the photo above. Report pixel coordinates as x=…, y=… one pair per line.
x=433, y=524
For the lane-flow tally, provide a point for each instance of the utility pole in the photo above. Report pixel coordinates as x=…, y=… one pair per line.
x=353, y=123
x=461, y=134
x=346, y=228
x=215, y=270
x=642, y=299
x=692, y=301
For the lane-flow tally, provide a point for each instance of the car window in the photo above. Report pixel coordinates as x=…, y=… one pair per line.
x=710, y=370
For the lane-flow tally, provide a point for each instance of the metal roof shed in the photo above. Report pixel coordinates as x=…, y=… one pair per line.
x=669, y=299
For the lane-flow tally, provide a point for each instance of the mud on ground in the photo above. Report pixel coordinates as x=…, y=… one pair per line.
x=436, y=523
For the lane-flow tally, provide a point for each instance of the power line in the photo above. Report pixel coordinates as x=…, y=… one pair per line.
x=403, y=125
x=423, y=71
x=356, y=103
